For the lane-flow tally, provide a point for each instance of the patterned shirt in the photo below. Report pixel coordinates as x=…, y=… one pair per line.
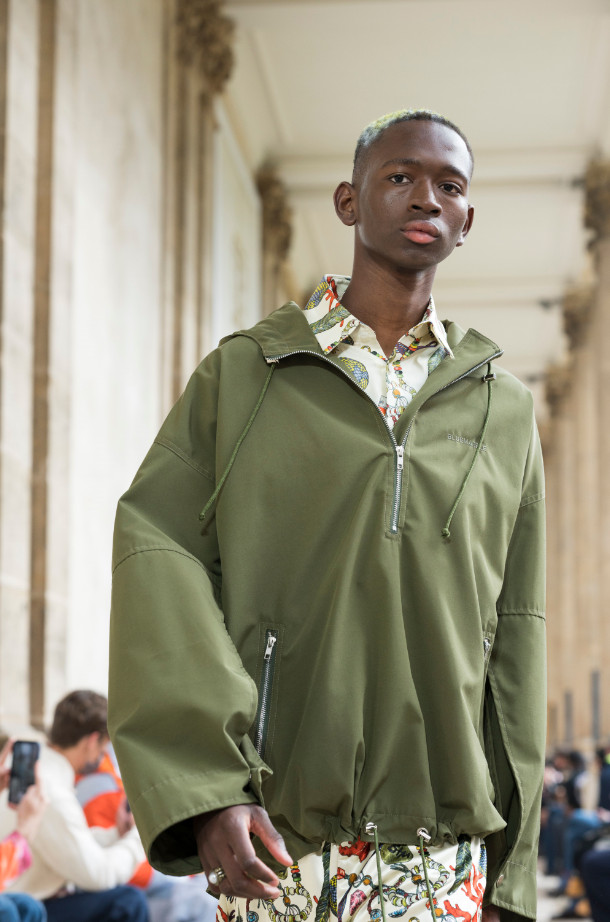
x=390, y=381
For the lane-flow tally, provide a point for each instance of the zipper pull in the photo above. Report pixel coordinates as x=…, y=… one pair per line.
x=400, y=455
x=271, y=642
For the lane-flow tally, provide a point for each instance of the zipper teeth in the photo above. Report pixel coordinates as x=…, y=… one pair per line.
x=265, y=685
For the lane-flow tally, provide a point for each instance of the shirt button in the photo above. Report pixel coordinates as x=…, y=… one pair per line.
x=499, y=880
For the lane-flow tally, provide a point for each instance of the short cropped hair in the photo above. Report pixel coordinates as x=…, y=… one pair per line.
x=78, y=715
x=374, y=130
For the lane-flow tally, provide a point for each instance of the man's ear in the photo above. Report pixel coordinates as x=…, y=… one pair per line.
x=466, y=227
x=345, y=199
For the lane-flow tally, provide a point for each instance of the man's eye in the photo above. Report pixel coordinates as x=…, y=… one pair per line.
x=451, y=187
x=399, y=179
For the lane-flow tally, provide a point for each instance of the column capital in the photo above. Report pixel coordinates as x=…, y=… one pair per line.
x=577, y=306
x=597, y=199
x=205, y=39
x=277, y=213
x=557, y=384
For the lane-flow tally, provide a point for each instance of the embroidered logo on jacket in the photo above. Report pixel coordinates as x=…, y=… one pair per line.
x=460, y=438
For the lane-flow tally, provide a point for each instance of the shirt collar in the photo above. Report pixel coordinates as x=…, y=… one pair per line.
x=332, y=323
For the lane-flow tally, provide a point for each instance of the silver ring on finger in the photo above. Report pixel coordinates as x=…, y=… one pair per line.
x=216, y=876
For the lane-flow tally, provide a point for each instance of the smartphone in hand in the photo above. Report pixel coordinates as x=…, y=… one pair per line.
x=25, y=756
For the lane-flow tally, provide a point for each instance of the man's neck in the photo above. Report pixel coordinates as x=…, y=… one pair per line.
x=389, y=304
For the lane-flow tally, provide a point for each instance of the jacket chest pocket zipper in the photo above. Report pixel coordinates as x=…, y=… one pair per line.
x=264, y=694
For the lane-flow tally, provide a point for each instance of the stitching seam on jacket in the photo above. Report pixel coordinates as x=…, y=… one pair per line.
x=533, y=612
x=534, y=498
x=170, y=550
x=165, y=443
x=522, y=867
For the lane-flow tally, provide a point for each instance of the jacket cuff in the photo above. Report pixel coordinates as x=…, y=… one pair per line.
x=513, y=893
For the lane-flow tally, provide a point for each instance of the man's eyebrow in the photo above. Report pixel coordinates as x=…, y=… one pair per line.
x=411, y=161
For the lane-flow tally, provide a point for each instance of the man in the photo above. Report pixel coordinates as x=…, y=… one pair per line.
x=328, y=602
x=65, y=851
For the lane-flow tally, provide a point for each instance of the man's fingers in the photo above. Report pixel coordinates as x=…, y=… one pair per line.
x=238, y=883
x=270, y=837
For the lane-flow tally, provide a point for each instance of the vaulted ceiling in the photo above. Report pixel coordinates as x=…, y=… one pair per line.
x=527, y=80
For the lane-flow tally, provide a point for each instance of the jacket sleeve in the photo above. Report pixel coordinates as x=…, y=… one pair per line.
x=515, y=711
x=180, y=701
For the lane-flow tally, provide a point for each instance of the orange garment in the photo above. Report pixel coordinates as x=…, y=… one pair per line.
x=15, y=857
x=101, y=809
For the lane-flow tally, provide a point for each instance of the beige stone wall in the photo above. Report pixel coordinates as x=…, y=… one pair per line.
x=577, y=456
x=112, y=136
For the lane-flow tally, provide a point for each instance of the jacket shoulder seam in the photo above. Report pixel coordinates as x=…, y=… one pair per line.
x=171, y=446
x=534, y=498
x=171, y=550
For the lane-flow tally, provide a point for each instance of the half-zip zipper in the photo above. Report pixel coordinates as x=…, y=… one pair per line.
x=399, y=449
x=266, y=685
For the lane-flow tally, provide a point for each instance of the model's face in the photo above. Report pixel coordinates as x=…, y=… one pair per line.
x=410, y=202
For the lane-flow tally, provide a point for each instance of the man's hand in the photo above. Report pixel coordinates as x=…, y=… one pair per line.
x=223, y=840
x=490, y=914
x=30, y=809
x=124, y=820
x=4, y=771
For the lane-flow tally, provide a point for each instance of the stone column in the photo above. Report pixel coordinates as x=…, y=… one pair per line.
x=553, y=598
x=277, y=234
x=561, y=549
x=19, y=30
x=597, y=220
x=578, y=317
x=199, y=61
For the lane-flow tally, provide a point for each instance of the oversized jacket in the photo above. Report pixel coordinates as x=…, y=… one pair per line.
x=339, y=622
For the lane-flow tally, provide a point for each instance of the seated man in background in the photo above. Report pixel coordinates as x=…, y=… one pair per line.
x=170, y=899
x=66, y=853
x=15, y=854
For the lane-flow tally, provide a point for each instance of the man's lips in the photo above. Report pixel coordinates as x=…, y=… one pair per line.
x=421, y=231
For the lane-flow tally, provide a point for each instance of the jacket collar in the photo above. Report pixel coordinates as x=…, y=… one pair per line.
x=286, y=331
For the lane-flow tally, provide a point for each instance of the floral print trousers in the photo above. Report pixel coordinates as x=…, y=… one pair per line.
x=342, y=883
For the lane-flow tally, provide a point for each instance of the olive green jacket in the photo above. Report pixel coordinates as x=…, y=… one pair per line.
x=354, y=631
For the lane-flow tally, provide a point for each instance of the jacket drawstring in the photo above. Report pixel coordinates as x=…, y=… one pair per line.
x=372, y=828
x=423, y=836
x=227, y=470
x=487, y=379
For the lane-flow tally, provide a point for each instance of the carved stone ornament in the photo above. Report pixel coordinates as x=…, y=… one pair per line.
x=577, y=304
x=205, y=40
x=558, y=381
x=277, y=214
x=597, y=199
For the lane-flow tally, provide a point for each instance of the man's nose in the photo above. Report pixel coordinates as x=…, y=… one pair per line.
x=424, y=199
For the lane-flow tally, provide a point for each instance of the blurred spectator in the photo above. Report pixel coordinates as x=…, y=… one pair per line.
x=595, y=870
x=15, y=854
x=170, y=899
x=604, y=779
x=66, y=853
